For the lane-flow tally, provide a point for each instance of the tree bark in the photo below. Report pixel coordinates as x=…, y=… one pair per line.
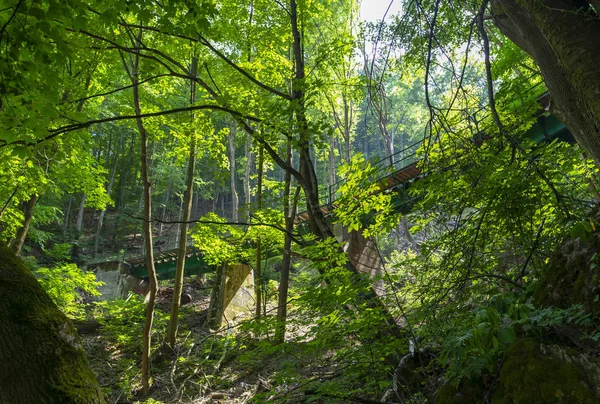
x=563, y=37
x=258, y=270
x=289, y=213
x=109, y=187
x=308, y=177
x=332, y=165
x=187, y=209
x=27, y=207
x=234, y=196
x=247, y=196
x=147, y=205
x=79, y=224
x=67, y=214
x=41, y=356
x=214, y=316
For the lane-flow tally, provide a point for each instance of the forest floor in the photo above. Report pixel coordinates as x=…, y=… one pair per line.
x=234, y=365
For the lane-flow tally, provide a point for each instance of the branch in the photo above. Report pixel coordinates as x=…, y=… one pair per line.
x=515, y=284
x=533, y=248
x=276, y=157
x=206, y=43
x=12, y=16
x=120, y=88
x=490, y=88
x=274, y=226
x=83, y=125
x=262, y=85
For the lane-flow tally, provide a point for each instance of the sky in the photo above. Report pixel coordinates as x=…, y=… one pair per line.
x=373, y=10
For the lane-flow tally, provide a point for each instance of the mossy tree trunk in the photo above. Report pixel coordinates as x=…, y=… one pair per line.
x=563, y=37
x=216, y=306
x=41, y=356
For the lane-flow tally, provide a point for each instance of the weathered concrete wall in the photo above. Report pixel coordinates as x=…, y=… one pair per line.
x=116, y=281
x=232, y=294
x=239, y=291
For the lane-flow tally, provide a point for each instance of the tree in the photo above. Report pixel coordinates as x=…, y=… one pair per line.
x=187, y=209
x=562, y=37
x=289, y=214
x=133, y=72
x=42, y=358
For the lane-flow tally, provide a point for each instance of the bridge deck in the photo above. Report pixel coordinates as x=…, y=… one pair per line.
x=165, y=264
x=404, y=166
x=392, y=172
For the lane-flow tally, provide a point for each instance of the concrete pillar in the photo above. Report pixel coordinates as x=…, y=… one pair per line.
x=364, y=255
x=232, y=294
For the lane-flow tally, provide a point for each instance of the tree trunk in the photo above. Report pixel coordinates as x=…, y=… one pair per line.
x=67, y=214
x=258, y=270
x=307, y=177
x=247, y=196
x=284, y=277
x=214, y=317
x=234, y=196
x=41, y=356
x=347, y=123
x=563, y=37
x=124, y=177
x=109, y=187
x=27, y=207
x=187, y=209
x=147, y=197
x=163, y=211
x=332, y=168
x=80, y=212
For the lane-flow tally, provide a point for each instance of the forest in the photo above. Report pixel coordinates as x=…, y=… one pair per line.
x=299, y=201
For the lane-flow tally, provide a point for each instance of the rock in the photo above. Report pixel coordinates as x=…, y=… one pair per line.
x=408, y=376
x=572, y=276
x=467, y=392
x=538, y=373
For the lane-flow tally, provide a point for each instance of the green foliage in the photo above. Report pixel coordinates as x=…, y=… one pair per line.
x=362, y=205
x=59, y=252
x=475, y=343
x=219, y=241
x=122, y=321
x=65, y=284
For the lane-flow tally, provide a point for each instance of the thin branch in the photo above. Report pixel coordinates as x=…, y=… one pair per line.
x=533, y=249
x=83, y=125
x=490, y=88
x=244, y=73
x=12, y=16
x=201, y=221
x=120, y=88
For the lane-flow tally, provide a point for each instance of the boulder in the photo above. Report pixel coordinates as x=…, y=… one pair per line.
x=538, y=373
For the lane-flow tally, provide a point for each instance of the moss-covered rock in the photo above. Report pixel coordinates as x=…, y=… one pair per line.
x=467, y=392
x=572, y=276
x=536, y=373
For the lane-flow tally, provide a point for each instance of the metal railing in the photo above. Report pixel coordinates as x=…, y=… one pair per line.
x=384, y=168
